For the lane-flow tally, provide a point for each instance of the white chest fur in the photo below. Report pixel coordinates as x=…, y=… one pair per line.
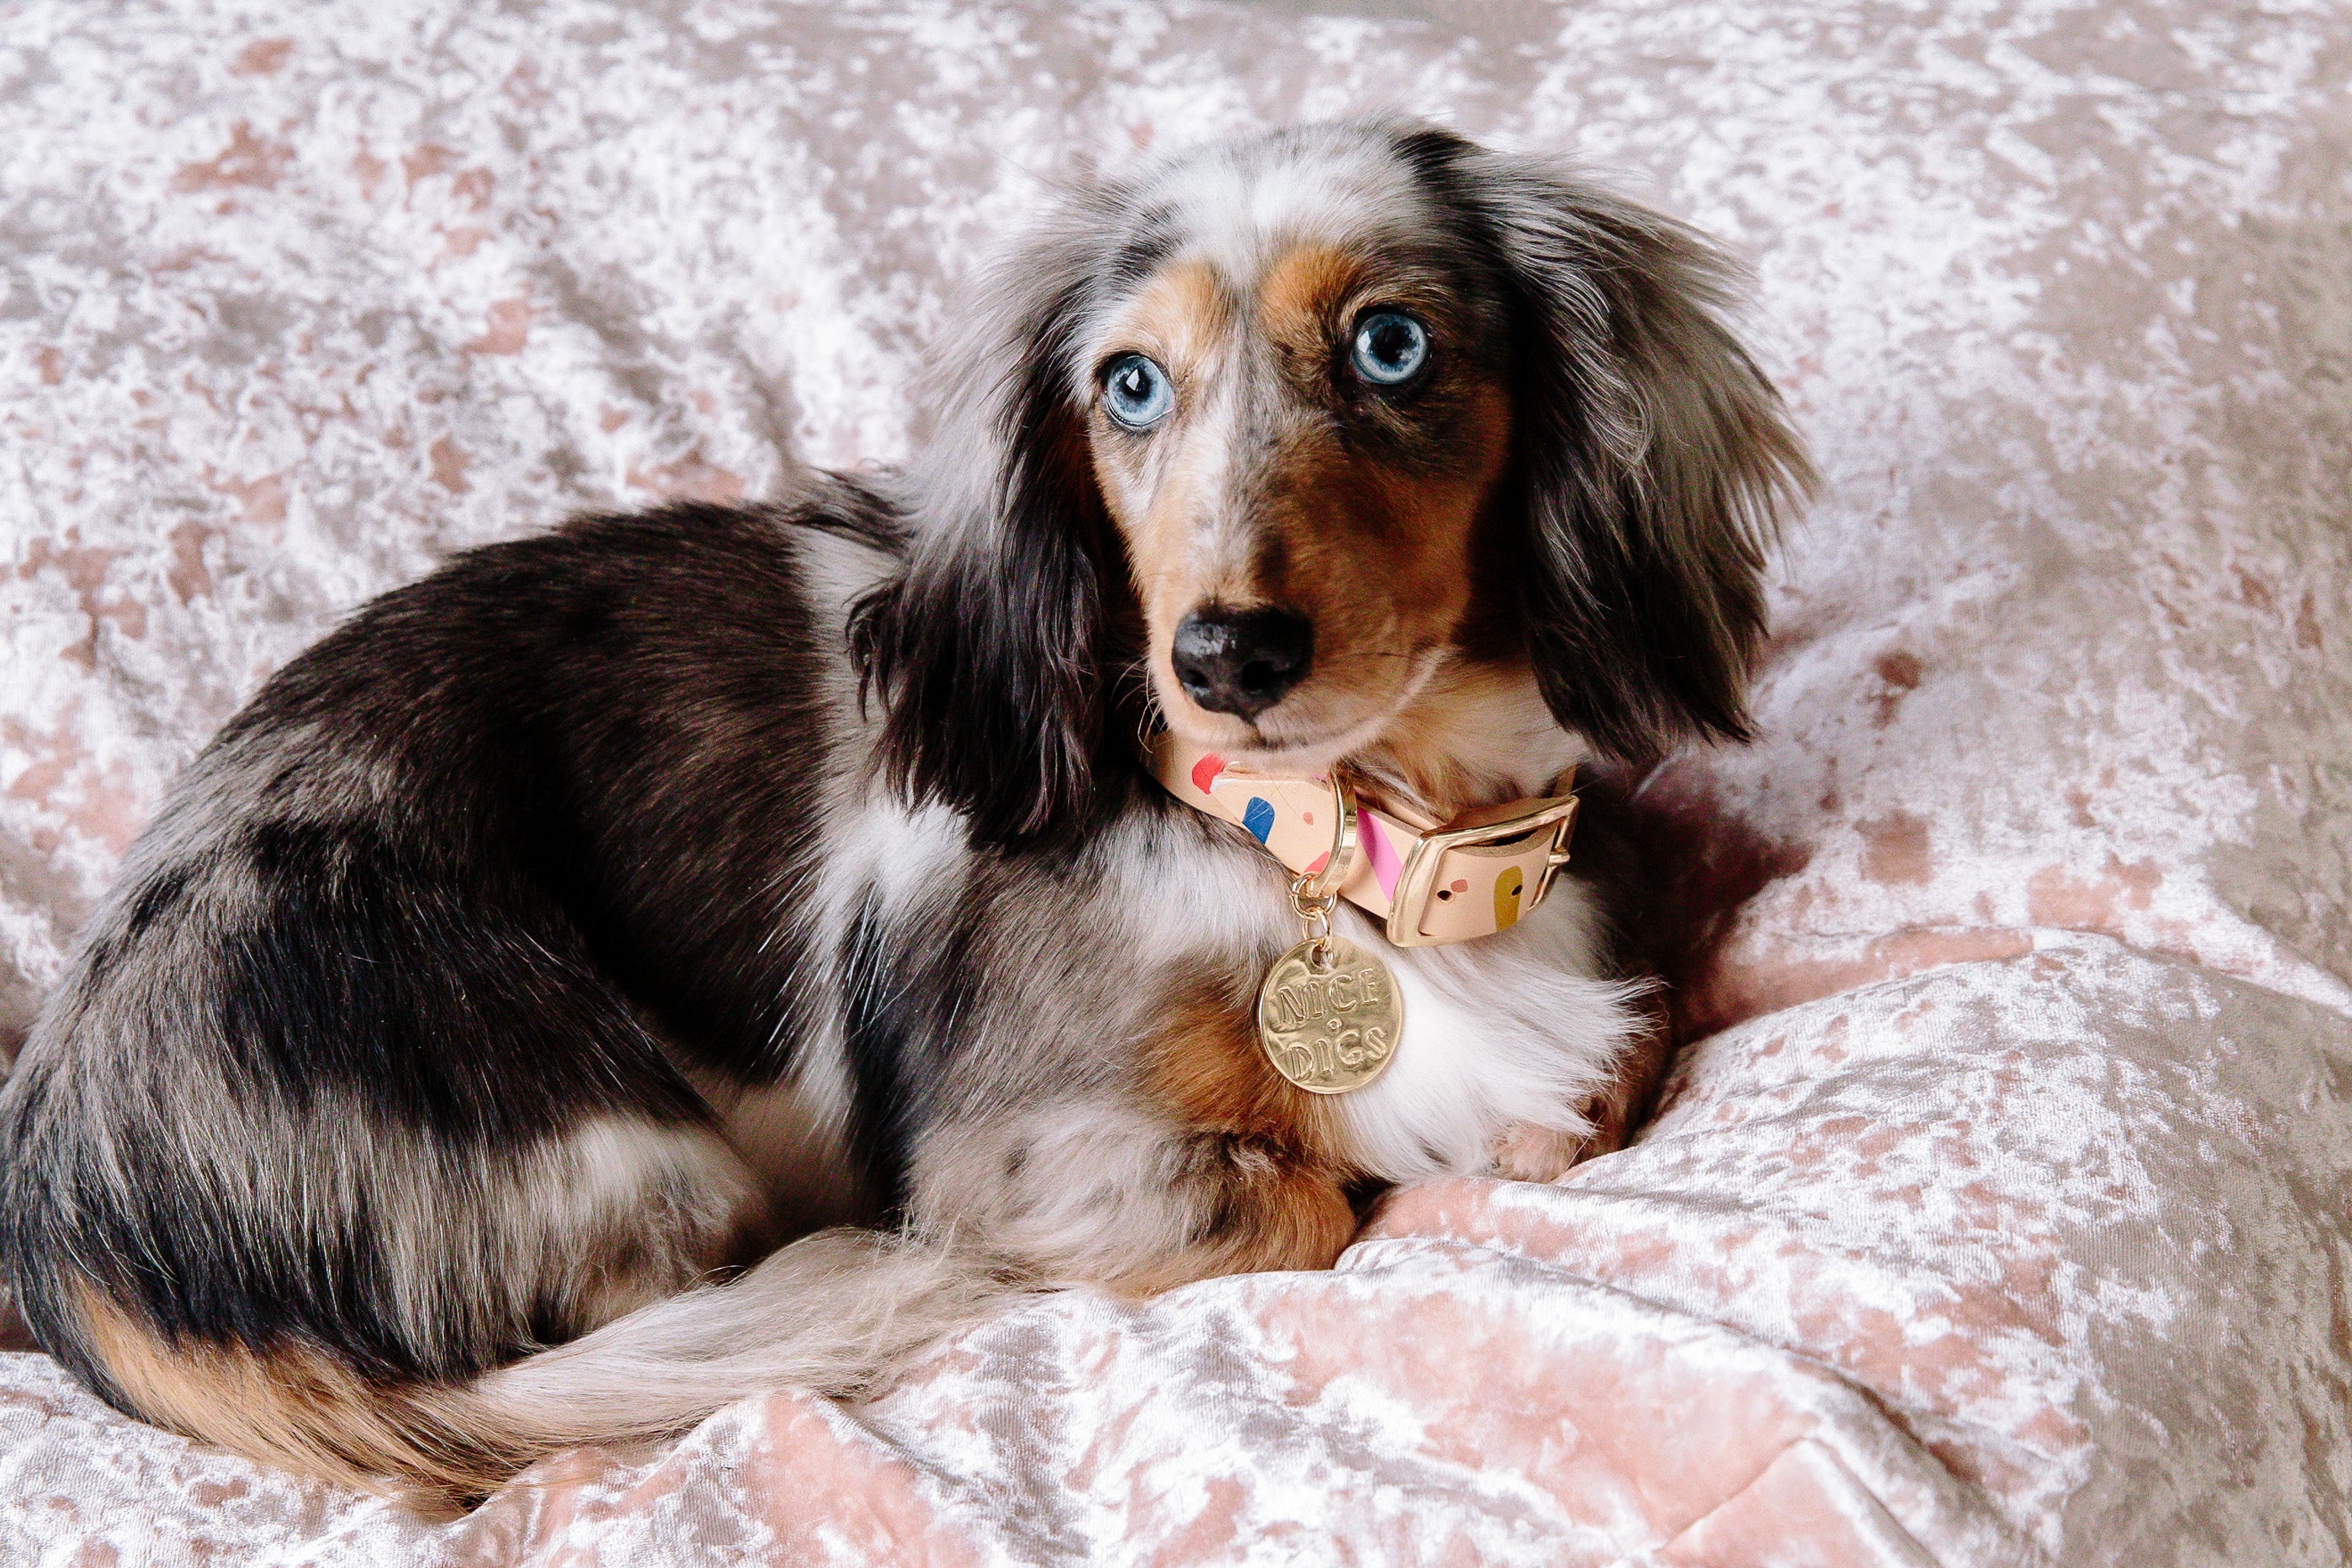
x=1518, y=1027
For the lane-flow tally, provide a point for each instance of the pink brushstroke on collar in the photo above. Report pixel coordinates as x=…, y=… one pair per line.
x=1383, y=854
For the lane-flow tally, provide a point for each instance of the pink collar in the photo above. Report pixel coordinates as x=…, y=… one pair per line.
x=1431, y=882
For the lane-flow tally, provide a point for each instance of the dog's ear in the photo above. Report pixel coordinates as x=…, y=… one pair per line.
x=986, y=652
x=1654, y=461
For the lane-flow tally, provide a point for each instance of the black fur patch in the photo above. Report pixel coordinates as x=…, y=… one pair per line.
x=496, y=825
x=154, y=900
x=883, y=1018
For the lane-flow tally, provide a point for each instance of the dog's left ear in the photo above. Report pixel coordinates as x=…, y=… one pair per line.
x=1654, y=461
x=986, y=651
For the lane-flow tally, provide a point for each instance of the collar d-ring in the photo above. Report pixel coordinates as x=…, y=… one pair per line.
x=1340, y=863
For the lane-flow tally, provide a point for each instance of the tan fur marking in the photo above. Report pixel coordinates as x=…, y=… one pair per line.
x=1208, y=1067
x=1157, y=536
x=1280, y=1200
x=1334, y=512
x=294, y=1408
x=1182, y=319
x=283, y=1409
x=1302, y=293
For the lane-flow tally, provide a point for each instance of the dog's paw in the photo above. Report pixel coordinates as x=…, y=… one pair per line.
x=1524, y=1152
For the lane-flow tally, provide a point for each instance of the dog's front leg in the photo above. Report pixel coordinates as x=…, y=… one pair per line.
x=1527, y=1152
x=1203, y=1162
x=1091, y=1193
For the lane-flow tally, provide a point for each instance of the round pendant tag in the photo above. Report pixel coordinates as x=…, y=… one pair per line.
x=1333, y=1027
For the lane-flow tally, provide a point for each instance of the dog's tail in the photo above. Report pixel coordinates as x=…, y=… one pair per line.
x=837, y=1313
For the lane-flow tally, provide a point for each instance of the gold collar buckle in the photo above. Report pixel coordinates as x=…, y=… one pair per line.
x=1505, y=824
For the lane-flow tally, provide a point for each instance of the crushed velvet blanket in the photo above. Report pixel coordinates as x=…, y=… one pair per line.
x=2000, y=1213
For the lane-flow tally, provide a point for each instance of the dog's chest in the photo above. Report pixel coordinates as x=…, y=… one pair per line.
x=1516, y=1027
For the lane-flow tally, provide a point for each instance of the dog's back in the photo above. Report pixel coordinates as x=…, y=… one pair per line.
x=379, y=1068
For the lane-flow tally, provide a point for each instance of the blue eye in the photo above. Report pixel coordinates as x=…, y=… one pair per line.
x=1136, y=392
x=1390, y=347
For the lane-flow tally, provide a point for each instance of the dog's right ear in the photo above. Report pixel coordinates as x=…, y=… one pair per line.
x=986, y=652
x=1654, y=459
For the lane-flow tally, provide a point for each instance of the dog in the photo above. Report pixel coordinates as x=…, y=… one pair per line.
x=693, y=953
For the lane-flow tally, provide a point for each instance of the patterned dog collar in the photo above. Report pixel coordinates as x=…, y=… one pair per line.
x=1431, y=882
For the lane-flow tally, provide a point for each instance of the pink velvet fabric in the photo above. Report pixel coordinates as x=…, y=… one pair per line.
x=1999, y=1214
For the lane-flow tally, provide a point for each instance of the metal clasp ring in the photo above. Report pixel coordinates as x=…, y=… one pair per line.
x=1314, y=913
x=1340, y=863
x=1313, y=896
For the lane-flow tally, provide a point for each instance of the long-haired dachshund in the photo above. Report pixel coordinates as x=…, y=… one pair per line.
x=544, y=948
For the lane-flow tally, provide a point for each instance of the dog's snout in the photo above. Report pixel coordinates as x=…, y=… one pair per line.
x=1241, y=661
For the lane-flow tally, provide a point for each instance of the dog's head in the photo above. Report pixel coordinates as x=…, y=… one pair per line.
x=1293, y=425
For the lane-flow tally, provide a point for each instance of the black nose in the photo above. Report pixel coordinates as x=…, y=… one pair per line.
x=1241, y=661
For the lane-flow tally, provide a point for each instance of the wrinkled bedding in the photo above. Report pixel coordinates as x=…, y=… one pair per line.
x=1998, y=1213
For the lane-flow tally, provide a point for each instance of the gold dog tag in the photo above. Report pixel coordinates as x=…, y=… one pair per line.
x=1332, y=1025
